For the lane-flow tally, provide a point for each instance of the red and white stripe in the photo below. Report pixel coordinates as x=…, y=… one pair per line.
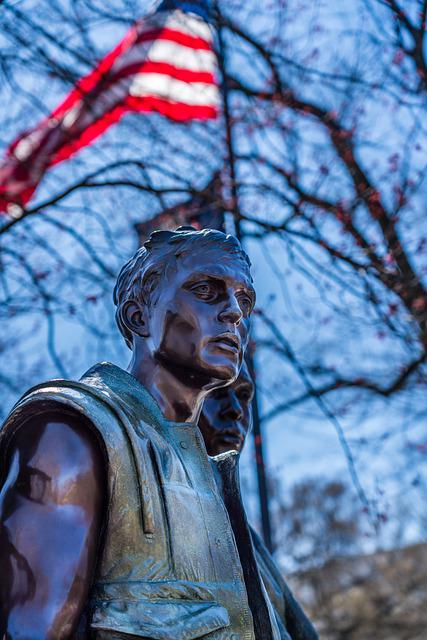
x=165, y=63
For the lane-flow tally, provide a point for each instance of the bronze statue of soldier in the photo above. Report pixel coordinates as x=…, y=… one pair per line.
x=111, y=522
x=225, y=422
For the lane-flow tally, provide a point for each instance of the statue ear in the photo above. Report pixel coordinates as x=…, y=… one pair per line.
x=135, y=317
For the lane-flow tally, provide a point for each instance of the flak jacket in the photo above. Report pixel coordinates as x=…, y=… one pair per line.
x=168, y=566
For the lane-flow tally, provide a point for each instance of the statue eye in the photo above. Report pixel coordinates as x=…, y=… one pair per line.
x=245, y=395
x=205, y=291
x=245, y=303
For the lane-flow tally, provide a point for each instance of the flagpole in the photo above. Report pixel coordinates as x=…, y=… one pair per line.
x=256, y=422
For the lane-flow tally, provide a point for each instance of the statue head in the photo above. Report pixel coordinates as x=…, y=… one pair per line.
x=184, y=300
x=227, y=416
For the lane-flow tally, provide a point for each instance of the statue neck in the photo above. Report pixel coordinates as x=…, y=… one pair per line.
x=178, y=400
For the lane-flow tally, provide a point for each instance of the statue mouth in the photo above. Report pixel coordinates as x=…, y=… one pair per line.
x=231, y=438
x=228, y=342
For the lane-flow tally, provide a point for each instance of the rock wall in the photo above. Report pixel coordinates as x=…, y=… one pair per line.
x=378, y=597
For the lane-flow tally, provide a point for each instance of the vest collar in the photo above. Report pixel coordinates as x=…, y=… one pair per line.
x=129, y=391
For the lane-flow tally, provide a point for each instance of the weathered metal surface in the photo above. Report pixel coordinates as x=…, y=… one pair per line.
x=169, y=567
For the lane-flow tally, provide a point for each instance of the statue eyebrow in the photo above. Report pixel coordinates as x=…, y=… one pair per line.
x=220, y=280
x=195, y=277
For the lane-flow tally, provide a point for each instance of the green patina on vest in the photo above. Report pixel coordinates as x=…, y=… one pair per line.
x=169, y=568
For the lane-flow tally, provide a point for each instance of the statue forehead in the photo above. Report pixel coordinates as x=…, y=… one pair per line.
x=216, y=263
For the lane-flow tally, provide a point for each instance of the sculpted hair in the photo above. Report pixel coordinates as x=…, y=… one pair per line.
x=140, y=276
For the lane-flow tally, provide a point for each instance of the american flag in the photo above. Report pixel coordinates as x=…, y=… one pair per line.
x=165, y=63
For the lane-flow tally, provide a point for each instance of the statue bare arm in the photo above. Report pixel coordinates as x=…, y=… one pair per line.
x=51, y=507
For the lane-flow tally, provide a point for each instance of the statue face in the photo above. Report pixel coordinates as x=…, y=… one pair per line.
x=199, y=318
x=226, y=415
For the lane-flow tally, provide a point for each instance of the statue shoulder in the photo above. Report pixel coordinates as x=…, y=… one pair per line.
x=64, y=397
x=53, y=457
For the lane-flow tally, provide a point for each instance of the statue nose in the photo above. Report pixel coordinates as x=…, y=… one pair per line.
x=233, y=408
x=231, y=312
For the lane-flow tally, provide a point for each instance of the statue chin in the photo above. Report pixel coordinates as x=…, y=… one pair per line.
x=223, y=365
x=197, y=373
x=222, y=373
